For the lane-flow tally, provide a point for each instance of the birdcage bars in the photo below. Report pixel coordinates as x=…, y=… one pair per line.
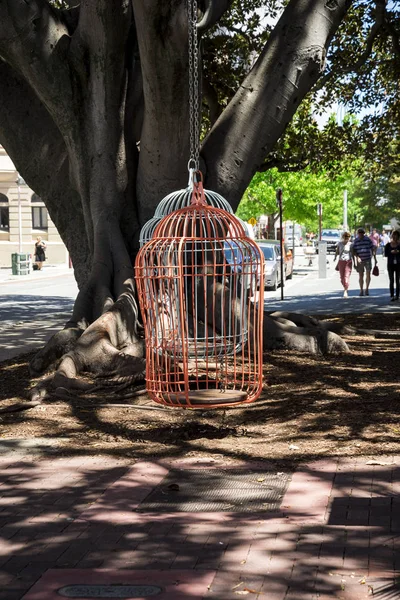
x=195, y=278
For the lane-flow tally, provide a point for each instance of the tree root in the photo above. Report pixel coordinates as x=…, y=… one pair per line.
x=108, y=355
x=18, y=407
x=292, y=331
x=61, y=342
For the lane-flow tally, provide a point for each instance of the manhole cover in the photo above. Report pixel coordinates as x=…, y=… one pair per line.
x=109, y=591
x=203, y=490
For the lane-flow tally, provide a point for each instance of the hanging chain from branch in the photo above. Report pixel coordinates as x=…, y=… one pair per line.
x=194, y=125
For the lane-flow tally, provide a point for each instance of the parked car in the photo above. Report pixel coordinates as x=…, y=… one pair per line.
x=288, y=260
x=239, y=258
x=272, y=255
x=331, y=237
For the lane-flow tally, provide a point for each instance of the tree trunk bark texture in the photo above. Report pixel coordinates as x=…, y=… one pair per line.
x=81, y=89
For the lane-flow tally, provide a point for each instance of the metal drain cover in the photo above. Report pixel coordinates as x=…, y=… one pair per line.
x=206, y=490
x=109, y=591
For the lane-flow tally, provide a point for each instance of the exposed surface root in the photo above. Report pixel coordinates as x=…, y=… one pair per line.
x=63, y=341
x=292, y=331
x=109, y=358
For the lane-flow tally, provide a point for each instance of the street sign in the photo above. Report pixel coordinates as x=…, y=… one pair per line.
x=252, y=221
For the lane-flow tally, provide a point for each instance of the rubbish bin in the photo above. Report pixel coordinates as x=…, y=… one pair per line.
x=20, y=264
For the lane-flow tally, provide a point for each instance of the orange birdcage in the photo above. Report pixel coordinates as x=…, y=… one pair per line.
x=197, y=284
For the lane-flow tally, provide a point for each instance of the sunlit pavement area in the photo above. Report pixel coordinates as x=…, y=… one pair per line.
x=84, y=525
x=307, y=293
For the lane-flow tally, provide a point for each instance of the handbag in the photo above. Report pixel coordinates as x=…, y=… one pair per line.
x=375, y=270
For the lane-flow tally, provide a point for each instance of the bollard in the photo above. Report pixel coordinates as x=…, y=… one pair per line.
x=322, y=254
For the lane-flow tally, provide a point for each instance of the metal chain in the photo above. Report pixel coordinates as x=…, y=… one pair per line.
x=194, y=125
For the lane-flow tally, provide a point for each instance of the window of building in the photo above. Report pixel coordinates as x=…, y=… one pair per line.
x=4, y=218
x=4, y=213
x=36, y=198
x=39, y=217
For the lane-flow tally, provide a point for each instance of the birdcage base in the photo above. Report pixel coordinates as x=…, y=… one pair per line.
x=206, y=397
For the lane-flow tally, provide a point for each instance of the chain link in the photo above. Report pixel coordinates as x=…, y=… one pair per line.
x=194, y=117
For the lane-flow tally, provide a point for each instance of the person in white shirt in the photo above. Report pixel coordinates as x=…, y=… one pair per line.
x=345, y=264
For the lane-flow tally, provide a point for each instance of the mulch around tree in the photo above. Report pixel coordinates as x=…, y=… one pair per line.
x=311, y=407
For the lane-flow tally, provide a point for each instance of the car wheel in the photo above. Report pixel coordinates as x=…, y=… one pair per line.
x=274, y=286
x=290, y=276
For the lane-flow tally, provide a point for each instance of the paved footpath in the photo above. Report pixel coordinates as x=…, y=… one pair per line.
x=71, y=523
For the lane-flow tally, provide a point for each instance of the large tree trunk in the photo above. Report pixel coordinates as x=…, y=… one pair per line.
x=80, y=89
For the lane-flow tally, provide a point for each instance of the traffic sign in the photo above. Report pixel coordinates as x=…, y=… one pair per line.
x=252, y=221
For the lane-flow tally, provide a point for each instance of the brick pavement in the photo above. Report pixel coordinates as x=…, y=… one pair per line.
x=74, y=520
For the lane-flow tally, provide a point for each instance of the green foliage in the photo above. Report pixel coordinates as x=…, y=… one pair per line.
x=361, y=76
x=307, y=145
x=379, y=200
x=302, y=191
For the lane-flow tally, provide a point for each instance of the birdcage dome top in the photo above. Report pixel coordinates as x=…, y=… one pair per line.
x=199, y=222
x=182, y=198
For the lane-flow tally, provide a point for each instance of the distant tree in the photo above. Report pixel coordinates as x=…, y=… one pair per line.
x=302, y=191
x=379, y=200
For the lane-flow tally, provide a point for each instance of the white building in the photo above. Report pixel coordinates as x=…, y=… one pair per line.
x=23, y=217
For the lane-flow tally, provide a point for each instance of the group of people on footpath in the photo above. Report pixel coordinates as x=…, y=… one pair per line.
x=361, y=252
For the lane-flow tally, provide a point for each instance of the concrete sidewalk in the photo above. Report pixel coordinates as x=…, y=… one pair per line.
x=48, y=270
x=82, y=527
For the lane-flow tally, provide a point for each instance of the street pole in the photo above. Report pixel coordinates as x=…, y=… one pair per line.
x=319, y=221
x=279, y=204
x=18, y=182
x=345, y=224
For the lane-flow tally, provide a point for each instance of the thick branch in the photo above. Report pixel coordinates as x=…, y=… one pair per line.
x=164, y=144
x=42, y=160
x=101, y=36
x=286, y=70
x=35, y=41
x=211, y=98
x=214, y=9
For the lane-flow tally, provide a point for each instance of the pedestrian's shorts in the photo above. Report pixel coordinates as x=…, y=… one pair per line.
x=364, y=265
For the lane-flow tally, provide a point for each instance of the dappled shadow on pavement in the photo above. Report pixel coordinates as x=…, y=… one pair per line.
x=27, y=322
x=81, y=513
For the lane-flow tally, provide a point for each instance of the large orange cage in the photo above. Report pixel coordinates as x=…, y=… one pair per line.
x=200, y=286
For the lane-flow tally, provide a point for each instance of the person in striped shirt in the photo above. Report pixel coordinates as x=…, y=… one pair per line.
x=363, y=250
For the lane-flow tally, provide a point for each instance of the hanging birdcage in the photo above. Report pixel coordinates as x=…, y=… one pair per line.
x=196, y=279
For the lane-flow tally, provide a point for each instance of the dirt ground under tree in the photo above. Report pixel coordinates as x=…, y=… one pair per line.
x=311, y=407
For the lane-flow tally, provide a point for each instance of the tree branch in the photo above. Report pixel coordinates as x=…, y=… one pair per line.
x=42, y=160
x=256, y=117
x=395, y=37
x=211, y=98
x=35, y=41
x=282, y=166
x=213, y=11
x=162, y=33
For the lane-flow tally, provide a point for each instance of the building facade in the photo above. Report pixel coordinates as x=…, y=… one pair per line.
x=24, y=217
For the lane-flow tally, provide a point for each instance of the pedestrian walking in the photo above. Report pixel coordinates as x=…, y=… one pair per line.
x=344, y=266
x=374, y=237
x=392, y=253
x=363, y=251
